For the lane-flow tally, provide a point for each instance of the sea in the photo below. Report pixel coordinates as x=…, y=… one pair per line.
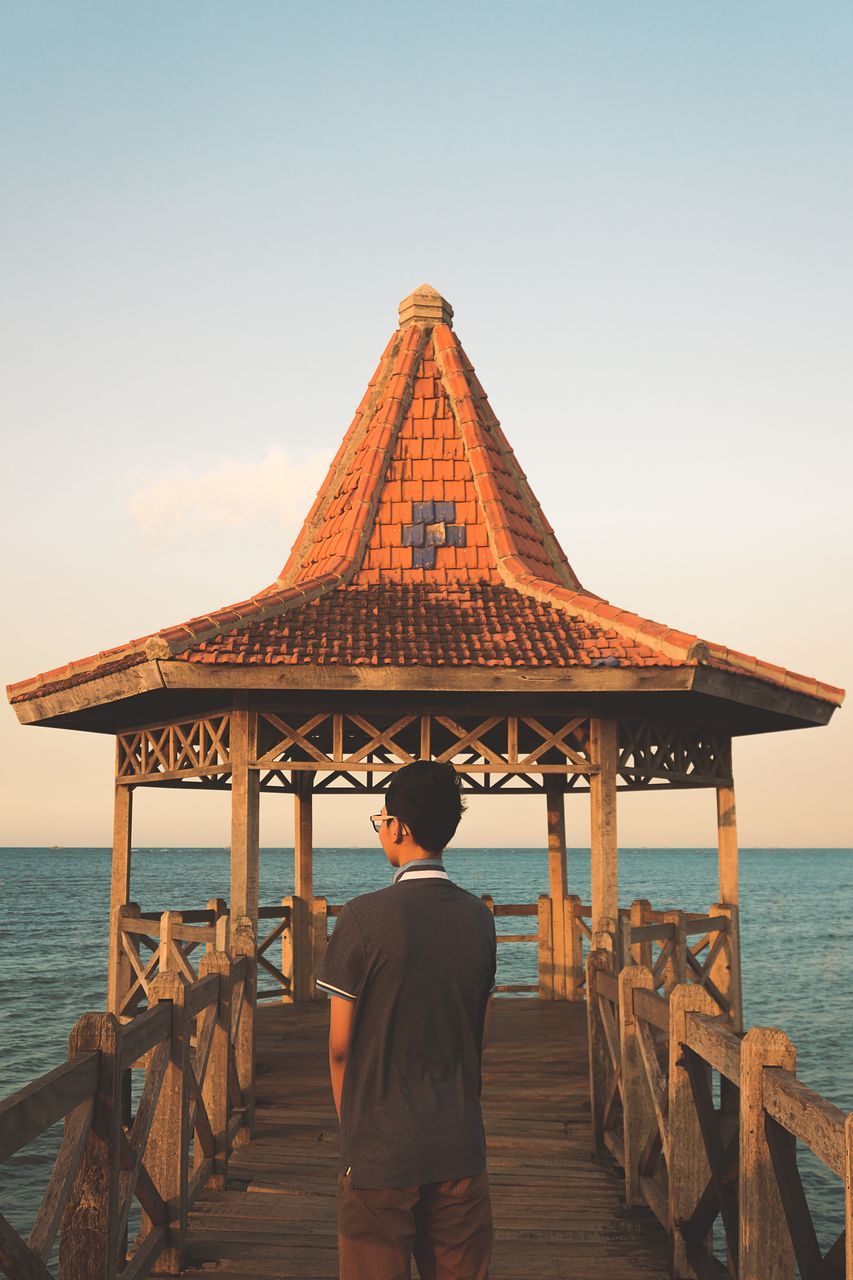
x=797, y=958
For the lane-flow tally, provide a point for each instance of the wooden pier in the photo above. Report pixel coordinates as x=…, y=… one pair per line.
x=558, y=1211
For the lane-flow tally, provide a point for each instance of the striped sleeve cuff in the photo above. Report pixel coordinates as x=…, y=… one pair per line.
x=335, y=991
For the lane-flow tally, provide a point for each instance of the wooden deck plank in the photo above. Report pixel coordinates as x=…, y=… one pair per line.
x=558, y=1212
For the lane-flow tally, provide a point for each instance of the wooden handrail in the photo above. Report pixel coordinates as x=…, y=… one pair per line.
x=669, y=1134
x=206, y=1096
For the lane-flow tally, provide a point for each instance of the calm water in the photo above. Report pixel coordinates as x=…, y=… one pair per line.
x=797, y=958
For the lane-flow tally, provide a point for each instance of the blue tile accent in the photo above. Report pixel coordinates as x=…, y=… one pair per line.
x=413, y=535
x=423, y=557
x=455, y=535
x=436, y=535
x=444, y=511
x=423, y=512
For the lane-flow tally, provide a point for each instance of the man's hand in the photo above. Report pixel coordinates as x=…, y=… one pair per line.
x=342, y=1016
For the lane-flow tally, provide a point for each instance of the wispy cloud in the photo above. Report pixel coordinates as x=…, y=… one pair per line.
x=278, y=488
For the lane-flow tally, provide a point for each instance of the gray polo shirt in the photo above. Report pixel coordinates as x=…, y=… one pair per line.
x=418, y=958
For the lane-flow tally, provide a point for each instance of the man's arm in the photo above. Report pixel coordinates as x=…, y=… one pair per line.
x=341, y=1018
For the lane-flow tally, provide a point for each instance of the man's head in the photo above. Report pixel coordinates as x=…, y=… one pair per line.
x=425, y=803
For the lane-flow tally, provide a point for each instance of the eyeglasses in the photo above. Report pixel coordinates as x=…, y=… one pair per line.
x=378, y=818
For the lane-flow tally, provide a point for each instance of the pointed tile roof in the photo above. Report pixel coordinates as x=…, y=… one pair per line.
x=425, y=546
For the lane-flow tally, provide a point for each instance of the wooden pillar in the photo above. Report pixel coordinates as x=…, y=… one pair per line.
x=167, y=1150
x=686, y=1161
x=245, y=814
x=604, y=869
x=765, y=1242
x=118, y=966
x=86, y=1248
x=214, y=1089
x=545, y=947
x=727, y=850
x=303, y=886
x=637, y=1108
x=574, y=950
x=243, y=943
x=598, y=957
x=558, y=884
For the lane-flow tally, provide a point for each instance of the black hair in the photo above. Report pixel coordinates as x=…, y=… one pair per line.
x=426, y=796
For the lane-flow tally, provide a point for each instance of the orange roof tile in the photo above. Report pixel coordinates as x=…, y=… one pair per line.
x=425, y=545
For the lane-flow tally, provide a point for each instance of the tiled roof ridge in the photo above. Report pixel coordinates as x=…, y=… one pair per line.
x=477, y=420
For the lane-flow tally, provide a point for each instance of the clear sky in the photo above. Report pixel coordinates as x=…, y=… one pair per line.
x=641, y=214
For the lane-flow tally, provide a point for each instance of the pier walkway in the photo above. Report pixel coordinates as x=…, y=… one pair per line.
x=558, y=1212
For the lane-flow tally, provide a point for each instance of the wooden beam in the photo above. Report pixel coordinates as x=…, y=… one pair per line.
x=245, y=815
x=303, y=883
x=604, y=856
x=727, y=848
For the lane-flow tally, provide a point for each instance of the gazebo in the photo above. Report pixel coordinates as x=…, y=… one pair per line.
x=427, y=611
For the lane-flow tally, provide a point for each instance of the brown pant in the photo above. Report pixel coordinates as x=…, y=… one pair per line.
x=447, y=1226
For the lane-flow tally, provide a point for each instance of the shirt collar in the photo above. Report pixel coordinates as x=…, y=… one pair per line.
x=413, y=869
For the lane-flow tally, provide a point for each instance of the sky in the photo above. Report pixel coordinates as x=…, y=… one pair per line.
x=641, y=215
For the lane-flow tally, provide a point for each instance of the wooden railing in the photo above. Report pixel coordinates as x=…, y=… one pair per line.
x=195, y=1045
x=653, y=1058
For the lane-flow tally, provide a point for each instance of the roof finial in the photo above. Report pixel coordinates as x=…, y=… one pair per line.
x=425, y=306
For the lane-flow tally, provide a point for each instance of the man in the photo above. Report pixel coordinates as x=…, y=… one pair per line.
x=410, y=970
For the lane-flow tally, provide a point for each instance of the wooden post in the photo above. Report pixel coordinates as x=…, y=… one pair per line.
x=675, y=970
x=766, y=1252
x=167, y=1151
x=245, y=814
x=687, y=1164
x=288, y=953
x=219, y=907
x=637, y=1109
x=303, y=858
x=641, y=952
x=598, y=958
x=604, y=855
x=727, y=850
x=119, y=973
x=545, y=948
x=243, y=944
x=85, y=1251
x=320, y=933
x=558, y=883
x=118, y=965
x=574, y=976
x=725, y=971
x=214, y=1089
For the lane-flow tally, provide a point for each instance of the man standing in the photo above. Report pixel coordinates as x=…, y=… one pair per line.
x=410, y=970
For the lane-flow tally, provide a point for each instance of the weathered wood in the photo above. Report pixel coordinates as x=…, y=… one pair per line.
x=727, y=846
x=303, y=884
x=558, y=883
x=243, y=1034
x=320, y=934
x=214, y=1085
x=637, y=1109
x=122, y=836
x=84, y=1248
x=688, y=1163
x=766, y=1252
x=598, y=962
x=245, y=814
x=806, y=1115
x=714, y=1043
x=166, y=1153
x=28, y=1112
x=545, y=948
x=725, y=972
x=675, y=970
x=603, y=840
x=55, y=1198
x=574, y=948
x=652, y=1008
x=17, y=1260
x=641, y=949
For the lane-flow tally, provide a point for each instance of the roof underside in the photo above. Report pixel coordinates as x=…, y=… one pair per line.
x=426, y=549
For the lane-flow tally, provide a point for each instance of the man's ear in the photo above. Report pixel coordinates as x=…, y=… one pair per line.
x=399, y=833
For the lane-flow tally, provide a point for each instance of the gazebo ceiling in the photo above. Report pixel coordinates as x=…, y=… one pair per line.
x=425, y=564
